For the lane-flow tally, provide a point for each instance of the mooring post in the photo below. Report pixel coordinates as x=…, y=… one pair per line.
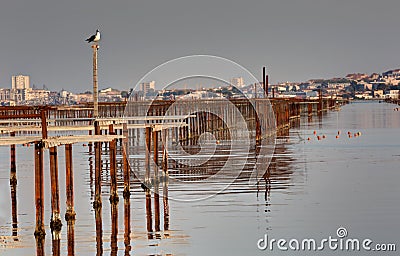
x=13, y=186
x=39, y=191
x=125, y=157
x=147, y=155
x=97, y=162
x=166, y=206
x=155, y=153
x=165, y=150
x=113, y=166
x=156, y=207
x=95, y=48
x=55, y=222
x=69, y=176
x=149, y=214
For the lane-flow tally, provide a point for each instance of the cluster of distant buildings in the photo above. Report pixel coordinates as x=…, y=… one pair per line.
x=352, y=86
x=22, y=93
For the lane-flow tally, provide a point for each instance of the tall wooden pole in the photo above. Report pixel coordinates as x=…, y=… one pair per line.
x=39, y=191
x=95, y=48
x=125, y=158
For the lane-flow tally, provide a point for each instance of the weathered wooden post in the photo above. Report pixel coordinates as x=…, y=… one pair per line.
x=39, y=186
x=147, y=156
x=95, y=48
x=55, y=223
x=166, y=206
x=69, y=176
x=13, y=186
x=113, y=166
x=97, y=180
x=148, y=214
x=114, y=229
x=39, y=191
x=125, y=157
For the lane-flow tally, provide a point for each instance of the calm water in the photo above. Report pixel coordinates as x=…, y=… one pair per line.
x=313, y=188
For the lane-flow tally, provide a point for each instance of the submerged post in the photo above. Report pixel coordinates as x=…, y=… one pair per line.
x=95, y=48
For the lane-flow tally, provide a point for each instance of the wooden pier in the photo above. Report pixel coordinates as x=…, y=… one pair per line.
x=116, y=127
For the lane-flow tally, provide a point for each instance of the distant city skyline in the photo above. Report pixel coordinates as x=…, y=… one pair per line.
x=296, y=39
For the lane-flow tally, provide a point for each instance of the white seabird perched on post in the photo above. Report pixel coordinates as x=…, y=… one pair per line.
x=94, y=38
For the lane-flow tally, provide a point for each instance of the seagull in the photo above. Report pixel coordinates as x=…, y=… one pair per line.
x=94, y=38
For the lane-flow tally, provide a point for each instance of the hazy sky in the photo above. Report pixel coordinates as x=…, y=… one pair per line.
x=296, y=39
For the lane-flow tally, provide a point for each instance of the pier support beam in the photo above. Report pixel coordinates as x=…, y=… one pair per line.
x=39, y=191
x=13, y=186
x=113, y=168
x=97, y=162
x=69, y=176
x=147, y=156
x=55, y=222
x=125, y=157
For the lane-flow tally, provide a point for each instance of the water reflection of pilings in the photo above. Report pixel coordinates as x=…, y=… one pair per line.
x=71, y=237
x=127, y=226
x=99, y=231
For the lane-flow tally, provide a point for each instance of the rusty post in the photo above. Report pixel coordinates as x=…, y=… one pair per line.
x=114, y=229
x=127, y=226
x=155, y=154
x=55, y=223
x=156, y=207
x=71, y=237
x=166, y=206
x=69, y=176
x=165, y=152
x=149, y=214
x=113, y=166
x=13, y=186
x=147, y=156
x=39, y=191
x=97, y=162
x=125, y=157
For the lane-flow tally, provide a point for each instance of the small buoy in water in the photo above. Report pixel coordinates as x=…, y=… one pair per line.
x=323, y=136
x=315, y=132
x=338, y=132
x=84, y=144
x=319, y=137
x=348, y=133
x=359, y=133
x=355, y=134
x=308, y=138
x=337, y=136
x=350, y=136
x=217, y=142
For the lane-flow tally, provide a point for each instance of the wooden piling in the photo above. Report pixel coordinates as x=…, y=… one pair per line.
x=147, y=156
x=97, y=180
x=127, y=226
x=13, y=186
x=95, y=48
x=71, y=237
x=125, y=157
x=166, y=205
x=55, y=222
x=149, y=215
x=114, y=229
x=69, y=176
x=39, y=191
x=156, y=207
x=113, y=166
